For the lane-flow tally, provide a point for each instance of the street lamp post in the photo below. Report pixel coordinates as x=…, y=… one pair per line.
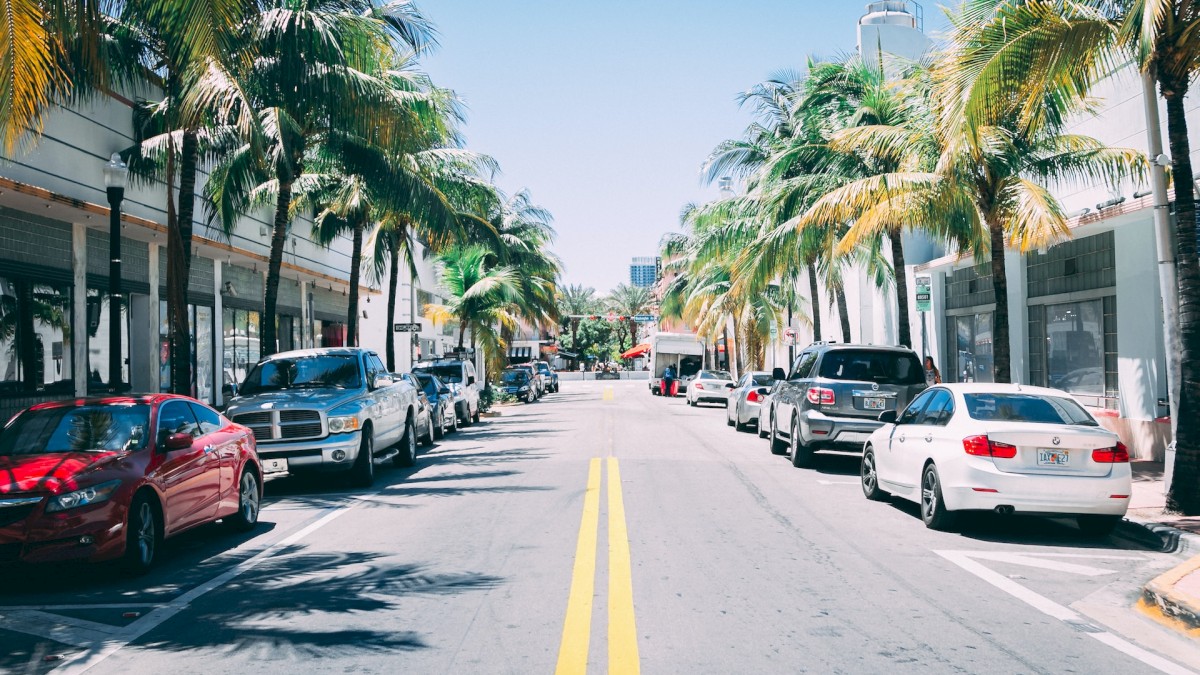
x=116, y=173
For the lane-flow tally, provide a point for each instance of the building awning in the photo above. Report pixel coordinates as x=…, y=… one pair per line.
x=637, y=351
x=520, y=354
x=567, y=355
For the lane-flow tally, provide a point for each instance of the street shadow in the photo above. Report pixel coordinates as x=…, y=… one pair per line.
x=837, y=464
x=185, y=560
x=276, y=609
x=1027, y=530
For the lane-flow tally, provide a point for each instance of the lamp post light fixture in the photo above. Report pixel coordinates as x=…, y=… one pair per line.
x=116, y=175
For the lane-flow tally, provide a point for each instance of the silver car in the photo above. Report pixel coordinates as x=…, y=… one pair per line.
x=709, y=386
x=746, y=398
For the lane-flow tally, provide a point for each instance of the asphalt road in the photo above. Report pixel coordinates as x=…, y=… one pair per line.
x=605, y=529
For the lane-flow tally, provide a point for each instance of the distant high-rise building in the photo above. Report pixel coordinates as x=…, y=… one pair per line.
x=643, y=271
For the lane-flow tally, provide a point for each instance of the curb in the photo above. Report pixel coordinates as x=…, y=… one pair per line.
x=1157, y=536
x=1177, y=608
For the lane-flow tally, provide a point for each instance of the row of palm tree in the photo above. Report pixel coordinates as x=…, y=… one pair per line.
x=297, y=106
x=964, y=145
x=575, y=302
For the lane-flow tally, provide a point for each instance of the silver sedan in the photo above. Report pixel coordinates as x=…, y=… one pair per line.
x=746, y=398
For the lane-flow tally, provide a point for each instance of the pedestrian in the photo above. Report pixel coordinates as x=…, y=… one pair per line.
x=668, y=380
x=932, y=376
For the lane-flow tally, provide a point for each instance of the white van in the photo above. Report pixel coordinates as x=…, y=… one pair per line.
x=460, y=374
x=682, y=351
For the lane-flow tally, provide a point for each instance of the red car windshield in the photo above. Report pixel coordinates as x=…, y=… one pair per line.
x=88, y=428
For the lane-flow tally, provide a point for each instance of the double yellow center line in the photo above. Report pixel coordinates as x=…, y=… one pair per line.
x=622, y=629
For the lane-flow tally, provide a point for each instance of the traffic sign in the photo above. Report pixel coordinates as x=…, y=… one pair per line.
x=612, y=316
x=406, y=327
x=924, y=295
x=644, y=318
x=789, y=334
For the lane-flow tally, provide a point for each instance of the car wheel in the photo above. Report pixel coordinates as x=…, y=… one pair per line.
x=439, y=429
x=142, y=536
x=933, y=508
x=453, y=423
x=778, y=447
x=475, y=417
x=530, y=398
x=1097, y=526
x=249, y=503
x=870, y=478
x=408, y=447
x=428, y=440
x=802, y=455
x=763, y=431
x=729, y=417
x=362, y=474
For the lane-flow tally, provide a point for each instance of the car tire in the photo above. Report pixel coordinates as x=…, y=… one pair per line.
x=763, y=432
x=362, y=473
x=439, y=429
x=933, y=508
x=408, y=447
x=428, y=440
x=249, y=503
x=453, y=424
x=869, y=475
x=778, y=447
x=1097, y=526
x=530, y=398
x=802, y=455
x=143, y=535
x=729, y=419
x=475, y=418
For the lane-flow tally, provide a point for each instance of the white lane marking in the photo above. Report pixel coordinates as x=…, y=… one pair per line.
x=1053, y=609
x=837, y=482
x=102, y=649
x=29, y=623
x=109, y=605
x=1033, y=560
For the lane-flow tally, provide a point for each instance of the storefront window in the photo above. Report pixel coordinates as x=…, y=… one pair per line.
x=200, y=328
x=98, y=331
x=973, y=356
x=330, y=333
x=1075, y=347
x=241, y=346
x=35, y=337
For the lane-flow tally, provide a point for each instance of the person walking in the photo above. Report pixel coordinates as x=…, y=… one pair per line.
x=932, y=376
x=668, y=381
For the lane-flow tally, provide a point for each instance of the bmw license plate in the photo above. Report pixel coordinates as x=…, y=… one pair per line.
x=1048, y=457
x=275, y=466
x=875, y=403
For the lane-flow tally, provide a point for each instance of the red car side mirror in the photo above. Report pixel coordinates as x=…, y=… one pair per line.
x=179, y=442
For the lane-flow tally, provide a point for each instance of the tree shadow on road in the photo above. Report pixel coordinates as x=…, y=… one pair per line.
x=276, y=610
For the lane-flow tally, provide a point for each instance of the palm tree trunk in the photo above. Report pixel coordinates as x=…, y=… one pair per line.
x=393, y=285
x=1184, y=495
x=179, y=263
x=462, y=332
x=575, y=336
x=355, y=273
x=1001, y=352
x=843, y=312
x=268, y=344
x=904, y=333
x=815, y=301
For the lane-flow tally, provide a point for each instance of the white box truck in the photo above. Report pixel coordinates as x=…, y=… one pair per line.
x=682, y=351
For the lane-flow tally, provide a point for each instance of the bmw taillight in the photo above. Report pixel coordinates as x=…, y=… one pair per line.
x=982, y=446
x=754, y=397
x=820, y=396
x=698, y=385
x=1117, y=455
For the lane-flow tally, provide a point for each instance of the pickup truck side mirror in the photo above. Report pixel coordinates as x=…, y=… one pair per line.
x=382, y=381
x=778, y=374
x=444, y=391
x=888, y=417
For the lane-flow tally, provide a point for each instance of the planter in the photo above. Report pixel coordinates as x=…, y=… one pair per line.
x=493, y=413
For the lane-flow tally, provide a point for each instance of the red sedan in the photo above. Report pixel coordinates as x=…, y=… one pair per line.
x=107, y=478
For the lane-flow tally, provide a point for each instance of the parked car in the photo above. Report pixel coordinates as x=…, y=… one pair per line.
x=333, y=409
x=999, y=447
x=548, y=375
x=517, y=382
x=110, y=478
x=424, y=409
x=536, y=383
x=709, y=386
x=460, y=372
x=833, y=395
x=745, y=399
x=442, y=401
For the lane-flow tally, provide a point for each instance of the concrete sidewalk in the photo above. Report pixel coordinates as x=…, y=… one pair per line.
x=1173, y=597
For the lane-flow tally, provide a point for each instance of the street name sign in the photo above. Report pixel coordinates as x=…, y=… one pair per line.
x=643, y=318
x=406, y=327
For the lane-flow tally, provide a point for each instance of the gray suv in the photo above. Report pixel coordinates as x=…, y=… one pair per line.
x=834, y=394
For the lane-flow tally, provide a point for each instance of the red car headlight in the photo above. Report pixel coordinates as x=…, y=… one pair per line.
x=83, y=497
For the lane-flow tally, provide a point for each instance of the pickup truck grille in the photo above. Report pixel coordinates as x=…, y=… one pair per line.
x=273, y=425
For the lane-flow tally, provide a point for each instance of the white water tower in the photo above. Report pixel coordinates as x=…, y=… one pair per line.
x=894, y=27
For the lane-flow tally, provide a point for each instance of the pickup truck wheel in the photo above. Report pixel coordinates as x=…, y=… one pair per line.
x=408, y=447
x=778, y=447
x=802, y=455
x=362, y=474
x=475, y=418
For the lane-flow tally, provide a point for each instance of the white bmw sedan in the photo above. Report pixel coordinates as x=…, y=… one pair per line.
x=999, y=447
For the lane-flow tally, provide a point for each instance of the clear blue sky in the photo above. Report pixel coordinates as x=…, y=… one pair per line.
x=605, y=110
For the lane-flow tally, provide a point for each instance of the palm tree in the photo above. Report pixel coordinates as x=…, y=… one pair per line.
x=574, y=301
x=988, y=190
x=1028, y=50
x=629, y=301
x=480, y=297
x=321, y=77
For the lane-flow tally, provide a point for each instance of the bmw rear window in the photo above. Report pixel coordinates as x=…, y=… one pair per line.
x=1030, y=408
x=864, y=365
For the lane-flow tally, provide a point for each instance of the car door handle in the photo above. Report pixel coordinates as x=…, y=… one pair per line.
x=901, y=438
x=928, y=439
